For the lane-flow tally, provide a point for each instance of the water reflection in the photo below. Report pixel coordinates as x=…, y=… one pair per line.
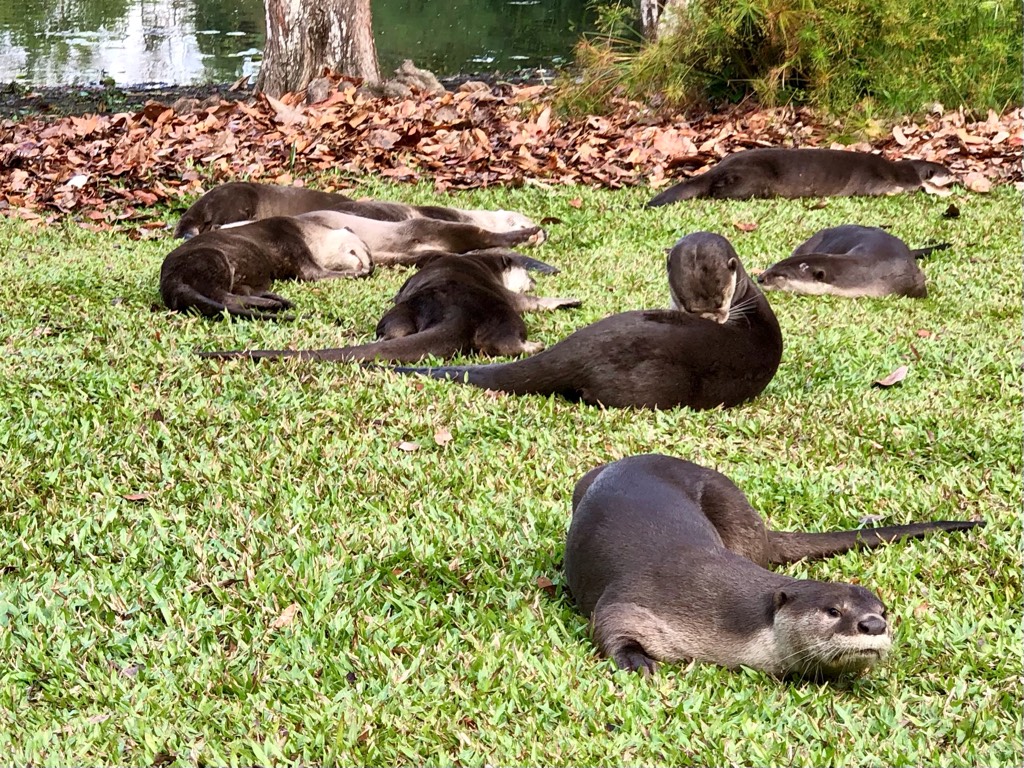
x=59, y=42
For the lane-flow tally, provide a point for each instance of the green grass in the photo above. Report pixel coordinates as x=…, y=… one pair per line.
x=134, y=631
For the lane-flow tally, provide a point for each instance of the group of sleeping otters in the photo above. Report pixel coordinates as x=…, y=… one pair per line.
x=667, y=558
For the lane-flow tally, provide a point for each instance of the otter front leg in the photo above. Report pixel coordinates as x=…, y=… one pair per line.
x=312, y=272
x=631, y=635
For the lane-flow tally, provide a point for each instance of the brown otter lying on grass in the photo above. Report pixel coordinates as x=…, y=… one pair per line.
x=231, y=270
x=454, y=304
x=775, y=172
x=668, y=559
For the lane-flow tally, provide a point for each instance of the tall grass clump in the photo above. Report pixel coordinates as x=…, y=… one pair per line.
x=884, y=56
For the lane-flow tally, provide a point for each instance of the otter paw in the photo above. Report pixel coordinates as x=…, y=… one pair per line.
x=633, y=658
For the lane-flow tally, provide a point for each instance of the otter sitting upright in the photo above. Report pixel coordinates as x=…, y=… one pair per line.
x=231, y=270
x=667, y=559
x=454, y=304
x=774, y=172
x=851, y=261
x=719, y=345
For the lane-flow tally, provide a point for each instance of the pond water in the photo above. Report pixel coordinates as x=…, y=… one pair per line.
x=64, y=42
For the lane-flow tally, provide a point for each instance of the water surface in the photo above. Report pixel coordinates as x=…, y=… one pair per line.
x=64, y=42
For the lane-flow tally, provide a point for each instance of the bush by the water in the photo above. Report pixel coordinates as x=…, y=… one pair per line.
x=884, y=56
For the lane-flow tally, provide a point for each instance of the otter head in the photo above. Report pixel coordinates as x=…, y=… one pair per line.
x=825, y=630
x=703, y=275
x=339, y=248
x=934, y=177
x=798, y=275
x=226, y=204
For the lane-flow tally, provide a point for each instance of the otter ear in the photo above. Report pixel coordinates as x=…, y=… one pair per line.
x=732, y=263
x=668, y=251
x=819, y=274
x=779, y=599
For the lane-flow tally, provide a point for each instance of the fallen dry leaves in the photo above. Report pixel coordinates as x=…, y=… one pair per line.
x=107, y=170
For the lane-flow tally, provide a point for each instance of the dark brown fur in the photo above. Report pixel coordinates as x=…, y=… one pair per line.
x=658, y=359
x=245, y=201
x=455, y=304
x=231, y=270
x=668, y=558
x=775, y=172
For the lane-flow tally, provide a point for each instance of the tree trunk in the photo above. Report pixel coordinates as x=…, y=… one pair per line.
x=305, y=37
x=660, y=18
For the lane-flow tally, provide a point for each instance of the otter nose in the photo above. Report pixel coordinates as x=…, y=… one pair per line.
x=759, y=277
x=872, y=625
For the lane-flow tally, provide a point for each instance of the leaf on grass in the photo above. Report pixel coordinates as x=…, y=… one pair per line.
x=892, y=379
x=745, y=226
x=137, y=497
x=924, y=333
x=547, y=585
x=921, y=609
x=408, y=446
x=976, y=182
x=576, y=202
x=287, y=617
x=442, y=436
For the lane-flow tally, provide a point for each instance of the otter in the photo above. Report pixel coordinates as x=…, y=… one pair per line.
x=230, y=270
x=851, y=261
x=793, y=173
x=719, y=345
x=668, y=559
x=405, y=242
x=246, y=201
x=454, y=304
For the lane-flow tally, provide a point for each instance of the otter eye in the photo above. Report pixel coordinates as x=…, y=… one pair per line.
x=835, y=613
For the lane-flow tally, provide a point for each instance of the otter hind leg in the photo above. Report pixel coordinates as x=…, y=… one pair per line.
x=505, y=337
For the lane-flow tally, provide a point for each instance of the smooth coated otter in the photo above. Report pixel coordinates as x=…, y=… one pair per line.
x=405, y=242
x=246, y=201
x=808, y=173
x=719, y=346
x=231, y=270
x=668, y=560
x=851, y=261
x=454, y=304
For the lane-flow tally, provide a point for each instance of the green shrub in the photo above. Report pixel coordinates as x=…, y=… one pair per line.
x=893, y=56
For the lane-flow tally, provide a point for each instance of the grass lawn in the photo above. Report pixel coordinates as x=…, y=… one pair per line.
x=209, y=563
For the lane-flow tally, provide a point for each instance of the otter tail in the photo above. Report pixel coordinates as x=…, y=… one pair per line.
x=684, y=190
x=439, y=341
x=790, y=546
x=920, y=253
x=183, y=297
x=546, y=373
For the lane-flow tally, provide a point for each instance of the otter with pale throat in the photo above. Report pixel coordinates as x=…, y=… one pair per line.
x=406, y=242
x=454, y=304
x=240, y=201
x=774, y=172
x=719, y=346
x=851, y=261
x=231, y=270
x=668, y=560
